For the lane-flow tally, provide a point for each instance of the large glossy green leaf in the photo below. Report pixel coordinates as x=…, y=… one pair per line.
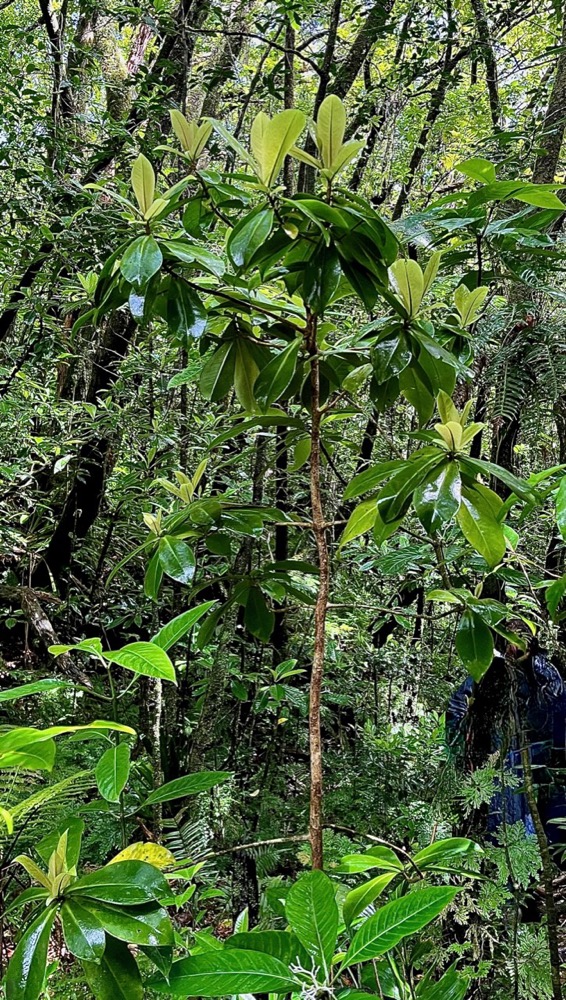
x=142, y=925
x=186, y=314
x=330, y=128
x=112, y=772
x=82, y=930
x=199, y=257
x=397, y=920
x=283, y=945
x=178, y=627
x=321, y=278
x=372, y=477
x=473, y=466
x=220, y=973
x=275, y=378
x=249, y=235
x=153, y=577
x=24, y=736
x=141, y=261
x=358, y=899
x=479, y=169
x=117, y=977
x=312, y=913
x=177, y=558
x=474, y=643
x=444, y=852
x=125, y=883
x=395, y=497
x=375, y=857
x=438, y=499
x=390, y=357
x=479, y=526
x=26, y=971
x=144, y=658
x=191, y=784
x=38, y=757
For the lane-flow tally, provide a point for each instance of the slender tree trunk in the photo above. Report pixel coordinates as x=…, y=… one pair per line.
x=488, y=55
x=554, y=125
x=435, y=107
x=320, y=611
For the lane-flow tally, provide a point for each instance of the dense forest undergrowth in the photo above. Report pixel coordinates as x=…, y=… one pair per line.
x=283, y=465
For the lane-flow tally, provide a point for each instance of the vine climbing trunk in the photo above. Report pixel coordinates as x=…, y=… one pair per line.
x=320, y=611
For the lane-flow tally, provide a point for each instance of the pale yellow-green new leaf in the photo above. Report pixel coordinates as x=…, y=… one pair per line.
x=271, y=141
x=466, y=412
x=469, y=303
x=330, y=128
x=7, y=819
x=33, y=870
x=451, y=433
x=183, y=129
x=470, y=433
x=446, y=407
x=343, y=158
x=193, y=137
x=407, y=280
x=299, y=154
x=143, y=182
x=431, y=270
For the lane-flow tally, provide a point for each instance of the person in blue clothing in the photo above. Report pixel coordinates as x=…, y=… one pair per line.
x=520, y=700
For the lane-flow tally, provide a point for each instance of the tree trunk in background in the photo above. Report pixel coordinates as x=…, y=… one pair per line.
x=94, y=460
x=485, y=43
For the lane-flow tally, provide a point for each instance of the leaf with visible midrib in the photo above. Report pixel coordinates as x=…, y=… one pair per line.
x=144, y=658
x=221, y=973
x=178, y=627
x=397, y=920
x=312, y=913
x=112, y=771
x=474, y=643
x=191, y=784
x=83, y=931
x=177, y=559
x=275, y=378
x=26, y=971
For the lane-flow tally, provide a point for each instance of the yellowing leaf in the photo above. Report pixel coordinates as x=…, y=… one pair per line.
x=152, y=854
x=143, y=182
